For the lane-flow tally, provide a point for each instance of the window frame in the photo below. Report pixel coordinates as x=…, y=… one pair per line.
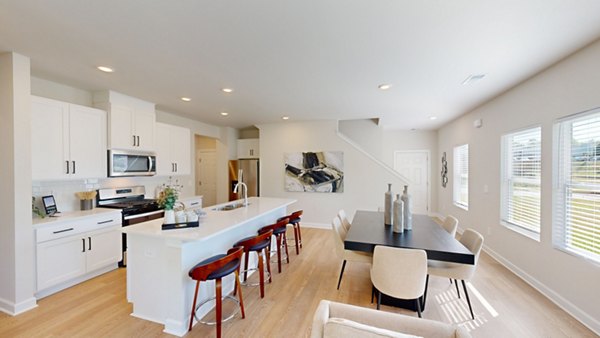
x=562, y=143
x=457, y=177
x=506, y=179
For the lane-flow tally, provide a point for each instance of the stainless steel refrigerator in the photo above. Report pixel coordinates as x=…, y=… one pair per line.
x=250, y=170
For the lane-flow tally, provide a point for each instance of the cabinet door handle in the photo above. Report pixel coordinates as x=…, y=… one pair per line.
x=83, y=240
x=90, y=243
x=134, y=140
x=172, y=167
x=252, y=152
x=176, y=167
x=138, y=139
x=73, y=167
x=194, y=203
x=63, y=230
x=104, y=222
x=67, y=167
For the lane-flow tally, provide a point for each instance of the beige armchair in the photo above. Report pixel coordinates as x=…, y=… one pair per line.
x=450, y=225
x=342, y=320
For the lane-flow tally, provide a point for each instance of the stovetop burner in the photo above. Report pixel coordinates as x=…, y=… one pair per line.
x=130, y=200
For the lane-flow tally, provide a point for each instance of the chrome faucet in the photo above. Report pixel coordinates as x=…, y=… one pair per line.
x=235, y=190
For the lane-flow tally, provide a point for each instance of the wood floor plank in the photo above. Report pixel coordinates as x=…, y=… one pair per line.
x=98, y=308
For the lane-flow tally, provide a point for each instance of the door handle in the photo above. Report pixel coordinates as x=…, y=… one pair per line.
x=176, y=167
x=67, y=167
x=172, y=167
x=73, y=167
x=83, y=240
x=134, y=140
x=138, y=139
x=90, y=243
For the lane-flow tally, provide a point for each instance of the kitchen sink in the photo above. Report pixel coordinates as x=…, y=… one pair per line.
x=228, y=207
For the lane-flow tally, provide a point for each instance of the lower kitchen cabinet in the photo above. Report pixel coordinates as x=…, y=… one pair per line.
x=70, y=252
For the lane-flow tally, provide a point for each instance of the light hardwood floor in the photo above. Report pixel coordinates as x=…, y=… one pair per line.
x=98, y=308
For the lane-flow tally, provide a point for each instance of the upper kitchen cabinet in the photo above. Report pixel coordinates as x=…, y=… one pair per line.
x=67, y=140
x=247, y=148
x=131, y=121
x=173, y=150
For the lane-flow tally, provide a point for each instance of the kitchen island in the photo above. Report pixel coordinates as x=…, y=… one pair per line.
x=159, y=260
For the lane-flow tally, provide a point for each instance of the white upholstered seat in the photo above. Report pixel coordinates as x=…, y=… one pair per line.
x=339, y=234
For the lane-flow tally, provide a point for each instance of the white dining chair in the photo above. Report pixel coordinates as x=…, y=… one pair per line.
x=344, y=218
x=339, y=234
x=399, y=273
x=450, y=225
x=473, y=241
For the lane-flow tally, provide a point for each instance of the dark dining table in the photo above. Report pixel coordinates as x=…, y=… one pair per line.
x=368, y=230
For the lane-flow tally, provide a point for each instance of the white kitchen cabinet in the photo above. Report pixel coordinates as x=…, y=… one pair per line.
x=67, y=140
x=173, y=150
x=131, y=122
x=248, y=148
x=72, y=250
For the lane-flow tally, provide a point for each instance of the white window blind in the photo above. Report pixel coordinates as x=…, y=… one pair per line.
x=576, y=226
x=461, y=176
x=521, y=180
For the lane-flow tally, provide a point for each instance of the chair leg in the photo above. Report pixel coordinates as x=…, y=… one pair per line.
x=457, y=292
x=450, y=281
x=341, y=273
x=372, y=293
x=468, y=300
x=378, y=299
x=426, y=287
x=261, y=273
x=299, y=234
x=278, y=240
x=194, y=306
x=219, y=305
x=296, y=239
x=285, y=244
x=418, y=301
x=268, y=256
x=246, y=256
x=238, y=287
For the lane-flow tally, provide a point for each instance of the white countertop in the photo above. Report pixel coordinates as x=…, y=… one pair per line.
x=214, y=223
x=72, y=216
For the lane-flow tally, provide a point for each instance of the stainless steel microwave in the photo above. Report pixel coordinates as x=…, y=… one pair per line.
x=131, y=163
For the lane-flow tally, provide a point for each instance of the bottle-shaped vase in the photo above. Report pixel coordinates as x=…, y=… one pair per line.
x=398, y=218
x=407, y=199
x=388, y=206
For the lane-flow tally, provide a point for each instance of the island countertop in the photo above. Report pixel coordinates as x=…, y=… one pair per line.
x=214, y=223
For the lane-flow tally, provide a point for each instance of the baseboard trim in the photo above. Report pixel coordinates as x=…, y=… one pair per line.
x=13, y=309
x=316, y=225
x=587, y=320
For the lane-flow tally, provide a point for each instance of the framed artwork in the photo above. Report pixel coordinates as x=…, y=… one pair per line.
x=321, y=171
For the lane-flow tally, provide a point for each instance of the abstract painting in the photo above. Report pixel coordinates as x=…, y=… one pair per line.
x=321, y=171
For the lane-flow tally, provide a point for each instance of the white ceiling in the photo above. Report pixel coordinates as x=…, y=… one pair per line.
x=308, y=59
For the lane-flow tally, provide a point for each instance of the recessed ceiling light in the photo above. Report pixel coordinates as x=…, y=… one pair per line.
x=227, y=90
x=384, y=86
x=473, y=78
x=186, y=99
x=224, y=113
x=285, y=118
x=433, y=118
x=105, y=69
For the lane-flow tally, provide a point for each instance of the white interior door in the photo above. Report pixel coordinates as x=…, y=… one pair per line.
x=206, y=176
x=414, y=165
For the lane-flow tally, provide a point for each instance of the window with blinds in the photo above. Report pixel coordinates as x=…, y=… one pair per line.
x=461, y=176
x=576, y=226
x=521, y=181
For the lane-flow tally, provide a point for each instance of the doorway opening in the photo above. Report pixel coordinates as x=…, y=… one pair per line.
x=206, y=169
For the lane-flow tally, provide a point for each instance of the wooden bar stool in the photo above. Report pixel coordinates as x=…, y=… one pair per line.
x=215, y=268
x=278, y=230
x=259, y=244
x=294, y=220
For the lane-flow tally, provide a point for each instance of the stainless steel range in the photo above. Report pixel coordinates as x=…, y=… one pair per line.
x=135, y=208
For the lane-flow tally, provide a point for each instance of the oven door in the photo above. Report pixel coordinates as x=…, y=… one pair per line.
x=128, y=163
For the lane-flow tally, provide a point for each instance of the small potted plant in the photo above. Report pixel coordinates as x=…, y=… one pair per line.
x=167, y=198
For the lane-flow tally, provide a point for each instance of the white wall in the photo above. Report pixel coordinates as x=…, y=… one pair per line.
x=17, y=276
x=569, y=87
x=382, y=144
x=365, y=182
